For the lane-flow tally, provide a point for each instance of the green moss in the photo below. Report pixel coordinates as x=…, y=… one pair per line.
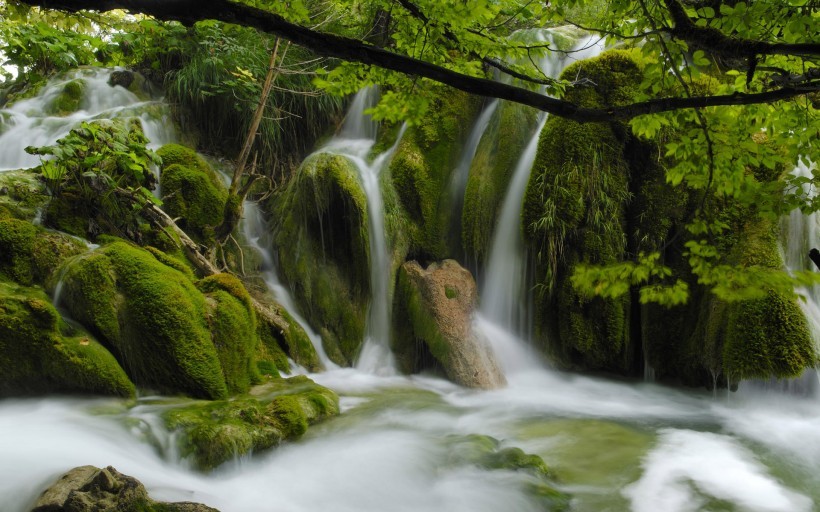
x=177, y=154
x=150, y=315
x=29, y=254
x=21, y=193
x=69, y=99
x=489, y=454
x=171, y=261
x=322, y=236
x=233, y=332
x=36, y=356
x=16, y=245
x=766, y=338
x=575, y=211
x=194, y=198
x=215, y=432
x=421, y=170
x=68, y=213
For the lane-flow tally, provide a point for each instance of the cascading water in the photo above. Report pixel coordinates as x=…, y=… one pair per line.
x=29, y=123
x=355, y=140
x=256, y=232
x=505, y=293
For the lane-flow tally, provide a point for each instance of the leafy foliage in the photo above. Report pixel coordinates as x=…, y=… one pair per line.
x=95, y=159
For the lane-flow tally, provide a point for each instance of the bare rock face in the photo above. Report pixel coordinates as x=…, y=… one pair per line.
x=435, y=307
x=91, y=489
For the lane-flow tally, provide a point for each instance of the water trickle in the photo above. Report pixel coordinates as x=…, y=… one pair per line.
x=505, y=293
x=256, y=234
x=458, y=182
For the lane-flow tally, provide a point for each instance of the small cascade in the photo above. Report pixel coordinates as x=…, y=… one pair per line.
x=256, y=233
x=30, y=123
x=355, y=140
x=505, y=292
x=458, y=182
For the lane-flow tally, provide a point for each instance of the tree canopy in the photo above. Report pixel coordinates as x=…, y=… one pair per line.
x=738, y=83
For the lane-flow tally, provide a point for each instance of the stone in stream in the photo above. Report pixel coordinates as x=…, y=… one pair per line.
x=88, y=488
x=435, y=306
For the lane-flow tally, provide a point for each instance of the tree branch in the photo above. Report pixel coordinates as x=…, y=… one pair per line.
x=331, y=45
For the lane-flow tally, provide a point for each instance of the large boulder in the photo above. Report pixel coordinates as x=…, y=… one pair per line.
x=323, y=243
x=39, y=353
x=169, y=335
x=434, y=309
x=214, y=432
x=191, y=191
x=88, y=488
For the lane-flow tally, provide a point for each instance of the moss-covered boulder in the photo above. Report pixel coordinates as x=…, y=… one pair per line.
x=712, y=342
x=157, y=323
x=433, y=317
x=39, y=353
x=575, y=211
x=22, y=194
x=321, y=232
x=68, y=99
x=30, y=254
x=281, y=337
x=498, y=152
x=421, y=171
x=232, y=323
x=215, y=432
x=489, y=454
x=191, y=191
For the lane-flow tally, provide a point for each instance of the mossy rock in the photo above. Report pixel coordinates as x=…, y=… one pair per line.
x=575, y=211
x=69, y=99
x=22, y=194
x=215, y=432
x=40, y=354
x=282, y=337
x=157, y=323
x=422, y=167
x=232, y=324
x=489, y=454
x=324, y=253
x=710, y=342
x=508, y=132
x=191, y=191
x=30, y=254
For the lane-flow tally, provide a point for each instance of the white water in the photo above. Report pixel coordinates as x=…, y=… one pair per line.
x=256, y=233
x=355, y=140
x=505, y=293
x=397, y=446
x=30, y=126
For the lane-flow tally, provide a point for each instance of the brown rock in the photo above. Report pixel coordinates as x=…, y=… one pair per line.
x=439, y=303
x=91, y=489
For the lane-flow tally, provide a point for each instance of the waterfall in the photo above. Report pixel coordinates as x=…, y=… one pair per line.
x=505, y=293
x=256, y=233
x=354, y=141
x=29, y=123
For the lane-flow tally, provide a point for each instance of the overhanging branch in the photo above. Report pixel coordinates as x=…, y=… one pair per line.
x=331, y=45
